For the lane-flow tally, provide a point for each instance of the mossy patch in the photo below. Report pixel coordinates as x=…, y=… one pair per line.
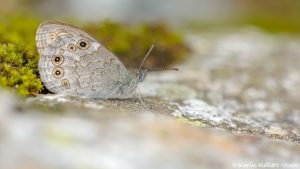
x=130, y=43
x=19, y=57
x=18, y=69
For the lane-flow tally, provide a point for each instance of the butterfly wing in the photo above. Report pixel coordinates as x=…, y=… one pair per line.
x=73, y=62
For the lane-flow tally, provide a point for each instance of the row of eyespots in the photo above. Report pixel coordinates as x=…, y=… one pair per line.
x=57, y=60
x=58, y=73
x=81, y=44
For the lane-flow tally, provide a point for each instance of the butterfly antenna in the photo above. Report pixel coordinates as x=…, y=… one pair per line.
x=145, y=58
x=141, y=66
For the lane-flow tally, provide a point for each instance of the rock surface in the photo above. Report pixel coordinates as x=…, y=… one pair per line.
x=234, y=104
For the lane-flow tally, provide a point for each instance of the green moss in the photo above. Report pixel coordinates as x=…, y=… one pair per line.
x=18, y=69
x=19, y=30
x=19, y=57
x=131, y=43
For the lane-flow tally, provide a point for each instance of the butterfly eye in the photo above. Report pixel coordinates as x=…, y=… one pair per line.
x=72, y=47
x=83, y=44
x=57, y=59
x=58, y=72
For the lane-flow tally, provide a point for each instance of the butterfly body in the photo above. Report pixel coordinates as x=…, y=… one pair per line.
x=72, y=62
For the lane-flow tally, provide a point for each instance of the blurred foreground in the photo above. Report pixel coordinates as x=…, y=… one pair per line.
x=90, y=137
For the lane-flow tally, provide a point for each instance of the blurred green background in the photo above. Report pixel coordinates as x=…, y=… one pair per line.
x=128, y=28
x=271, y=15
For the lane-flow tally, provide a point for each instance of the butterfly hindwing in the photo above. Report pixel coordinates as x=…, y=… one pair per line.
x=73, y=62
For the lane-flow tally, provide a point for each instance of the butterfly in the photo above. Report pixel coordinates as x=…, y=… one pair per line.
x=72, y=62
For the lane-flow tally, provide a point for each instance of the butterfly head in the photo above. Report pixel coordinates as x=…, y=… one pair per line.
x=142, y=71
x=141, y=74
